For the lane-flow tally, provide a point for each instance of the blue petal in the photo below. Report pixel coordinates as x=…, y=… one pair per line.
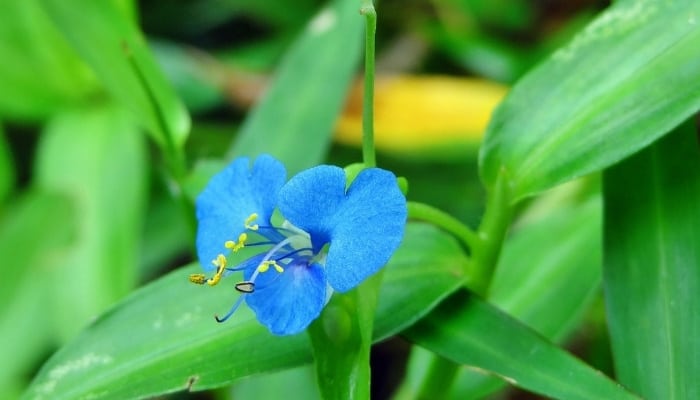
x=288, y=302
x=230, y=197
x=311, y=199
x=364, y=226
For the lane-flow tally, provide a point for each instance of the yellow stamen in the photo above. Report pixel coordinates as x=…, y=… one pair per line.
x=233, y=246
x=199, y=279
x=265, y=265
x=249, y=220
x=220, y=263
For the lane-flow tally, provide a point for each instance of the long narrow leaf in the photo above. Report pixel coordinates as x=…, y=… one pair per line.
x=35, y=232
x=295, y=118
x=652, y=267
x=110, y=42
x=96, y=156
x=628, y=78
x=469, y=331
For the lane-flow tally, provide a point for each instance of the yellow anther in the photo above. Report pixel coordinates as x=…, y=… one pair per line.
x=220, y=263
x=265, y=265
x=199, y=279
x=249, y=220
x=233, y=246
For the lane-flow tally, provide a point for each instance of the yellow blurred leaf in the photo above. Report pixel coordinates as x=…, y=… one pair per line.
x=422, y=113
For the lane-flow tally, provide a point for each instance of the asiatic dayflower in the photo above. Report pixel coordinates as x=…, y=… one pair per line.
x=311, y=235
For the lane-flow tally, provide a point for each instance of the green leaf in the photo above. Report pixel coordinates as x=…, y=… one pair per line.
x=295, y=118
x=628, y=78
x=97, y=157
x=550, y=269
x=652, y=267
x=32, y=232
x=548, y=287
x=468, y=330
x=35, y=232
x=33, y=48
x=110, y=42
x=166, y=235
x=409, y=288
x=302, y=379
x=194, y=80
x=163, y=337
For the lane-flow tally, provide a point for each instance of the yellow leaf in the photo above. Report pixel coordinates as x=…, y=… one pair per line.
x=414, y=114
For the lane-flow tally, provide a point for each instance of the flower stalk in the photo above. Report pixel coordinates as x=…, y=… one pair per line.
x=368, y=154
x=491, y=234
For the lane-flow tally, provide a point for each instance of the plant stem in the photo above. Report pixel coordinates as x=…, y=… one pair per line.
x=368, y=155
x=341, y=337
x=485, y=247
x=444, y=221
x=491, y=234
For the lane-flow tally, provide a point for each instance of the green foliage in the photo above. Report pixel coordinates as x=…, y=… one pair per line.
x=35, y=232
x=552, y=287
x=467, y=330
x=316, y=71
x=652, y=277
x=40, y=72
x=107, y=38
x=103, y=172
x=628, y=78
x=155, y=341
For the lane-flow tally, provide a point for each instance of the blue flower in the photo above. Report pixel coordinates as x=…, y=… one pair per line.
x=297, y=241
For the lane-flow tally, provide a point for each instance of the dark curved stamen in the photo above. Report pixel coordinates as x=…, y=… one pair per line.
x=245, y=287
x=231, y=311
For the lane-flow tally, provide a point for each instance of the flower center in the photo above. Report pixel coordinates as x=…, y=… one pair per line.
x=286, y=245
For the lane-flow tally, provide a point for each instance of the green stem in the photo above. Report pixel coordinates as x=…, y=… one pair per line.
x=485, y=247
x=341, y=337
x=491, y=234
x=438, y=379
x=368, y=155
x=439, y=218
